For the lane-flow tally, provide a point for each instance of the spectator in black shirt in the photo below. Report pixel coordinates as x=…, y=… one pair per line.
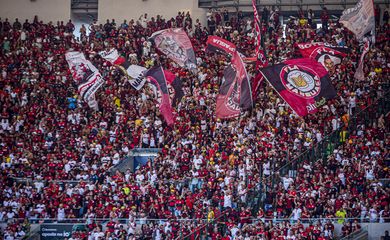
x=26, y=25
x=17, y=25
x=386, y=236
x=211, y=24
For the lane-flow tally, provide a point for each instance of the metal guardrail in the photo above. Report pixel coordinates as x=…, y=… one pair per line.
x=265, y=219
x=361, y=234
x=220, y=221
x=385, y=182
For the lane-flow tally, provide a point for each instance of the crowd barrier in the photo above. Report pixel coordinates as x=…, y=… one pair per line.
x=47, y=228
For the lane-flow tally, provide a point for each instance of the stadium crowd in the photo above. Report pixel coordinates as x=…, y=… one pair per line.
x=206, y=165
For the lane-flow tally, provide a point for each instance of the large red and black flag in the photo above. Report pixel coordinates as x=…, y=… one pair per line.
x=329, y=56
x=303, y=83
x=235, y=92
x=175, y=43
x=156, y=76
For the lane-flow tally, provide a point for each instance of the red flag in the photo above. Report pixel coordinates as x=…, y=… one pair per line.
x=261, y=59
x=235, y=92
x=329, y=56
x=219, y=45
x=156, y=76
x=174, y=86
x=303, y=83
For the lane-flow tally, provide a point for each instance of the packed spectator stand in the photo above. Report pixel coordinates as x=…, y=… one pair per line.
x=221, y=178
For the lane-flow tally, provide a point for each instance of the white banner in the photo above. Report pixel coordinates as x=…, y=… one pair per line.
x=359, y=19
x=134, y=73
x=86, y=75
x=136, y=76
x=110, y=56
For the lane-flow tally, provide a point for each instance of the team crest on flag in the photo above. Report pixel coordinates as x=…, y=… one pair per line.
x=301, y=81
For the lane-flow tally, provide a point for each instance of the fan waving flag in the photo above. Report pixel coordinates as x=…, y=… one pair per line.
x=235, y=92
x=359, y=19
x=86, y=75
x=133, y=73
x=303, y=83
x=156, y=77
x=175, y=43
x=329, y=56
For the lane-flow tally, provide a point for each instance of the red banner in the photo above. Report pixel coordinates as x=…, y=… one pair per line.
x=174, y=85
x=329, y=56
x=219, y=45
x=261, y=59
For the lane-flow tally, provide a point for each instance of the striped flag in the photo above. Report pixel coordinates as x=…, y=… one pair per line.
x=261, y=59
x=359, y=74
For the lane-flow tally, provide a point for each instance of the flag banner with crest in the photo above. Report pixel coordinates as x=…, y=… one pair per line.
x=156, y=77
x=303, y=83
x=235, y=92
x=329, y=56
x=360, y=19
x=133, y=73
x=175, y=43
x=86, y=75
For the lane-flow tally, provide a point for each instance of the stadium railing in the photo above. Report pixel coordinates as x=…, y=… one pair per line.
x=361, y=234
x=201, y=226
